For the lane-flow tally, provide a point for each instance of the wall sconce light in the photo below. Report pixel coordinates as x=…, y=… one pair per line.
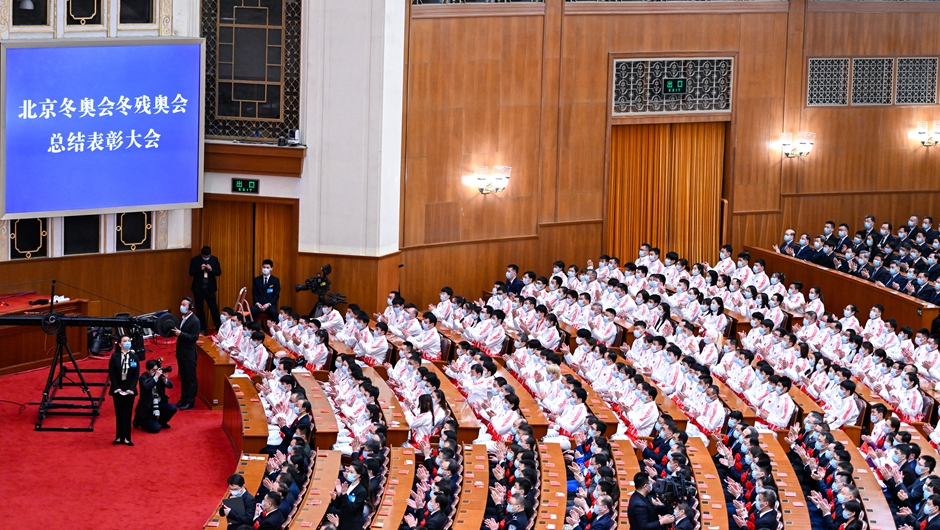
x=493, y=181
x=26, y=5
x=926, y=137
x=802, y=147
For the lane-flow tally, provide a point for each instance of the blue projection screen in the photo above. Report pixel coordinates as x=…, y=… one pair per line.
x=100, y=126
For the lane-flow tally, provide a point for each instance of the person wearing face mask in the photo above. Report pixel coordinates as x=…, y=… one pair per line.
x=154, y=410
x=908, y=402
x=806, y=250
x=330, y=319
x=186, y=336
x=444, y=309
x=204, y=270
x=788, y=246
x=123, y=372
x=372, y=346
x=600, y=516
x=428, y=340
x=643, y=415
x=265, y=292
x=759, y=278
x=267, y=516
x=643, y=514
x=884, y=238
x=239, y=507
x=778, y=411
x=435, y=518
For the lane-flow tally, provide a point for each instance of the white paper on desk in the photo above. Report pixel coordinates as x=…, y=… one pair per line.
x=300, y=371
x=239, y=373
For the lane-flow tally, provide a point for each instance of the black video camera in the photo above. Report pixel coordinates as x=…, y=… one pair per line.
x=319, y=284
x=167, y=370
x=674, y=489
x=100, y=340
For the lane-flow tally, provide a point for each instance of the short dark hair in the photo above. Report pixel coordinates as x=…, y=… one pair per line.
x=267, y=262
x=236, y=480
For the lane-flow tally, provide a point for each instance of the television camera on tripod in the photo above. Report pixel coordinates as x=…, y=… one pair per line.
x=320, y=286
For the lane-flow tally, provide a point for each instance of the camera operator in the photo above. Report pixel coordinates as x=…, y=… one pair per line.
x=645, y=512
x=154, y=410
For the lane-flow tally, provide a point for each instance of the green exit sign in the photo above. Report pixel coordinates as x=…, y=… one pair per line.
x=245, y=186
x=674, y=86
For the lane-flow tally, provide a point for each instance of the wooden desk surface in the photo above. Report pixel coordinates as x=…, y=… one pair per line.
x=595, y=404
x=243, y=418
x=733, y=402
x=398, y=427
x=712, y=508
x=326, y=426
x=316, y=500
x=468, y=426
x=627, y=465
x=212, y=370
x=251, y=468
x=527, y=405
x=401, y=472
x=873, y=499
x=272, y=345
x=473, y=489
x=793, y=508
x=550, y=514
x=840, y=289
x=804, y=402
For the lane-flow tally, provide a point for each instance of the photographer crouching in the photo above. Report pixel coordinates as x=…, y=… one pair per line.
x=154, y=410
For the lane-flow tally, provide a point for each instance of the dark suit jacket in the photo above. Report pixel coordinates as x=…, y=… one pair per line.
x=684, y=524
x=924, y=292
x=114, y=371
x=604, y=522
x=350, y=511
x=435, y=521
x=186, y=340
x=235, y=519
x=148, y=387
x=642, y=514
x=826, y=260
x=289, y=430
x=514, y=287
x=805, y=253
x=518, y=521
x=878, y=276
x=784, y=246
x=195, y=270
x=269, y=294
x=932, y=524
x=768, y=521
x=838, y=243
x=897, y=278
x=271, y=521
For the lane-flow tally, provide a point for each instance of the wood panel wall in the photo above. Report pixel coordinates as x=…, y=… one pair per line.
x=532, y=91
x=144, y=280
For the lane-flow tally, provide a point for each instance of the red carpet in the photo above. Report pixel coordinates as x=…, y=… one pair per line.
x=78, y=480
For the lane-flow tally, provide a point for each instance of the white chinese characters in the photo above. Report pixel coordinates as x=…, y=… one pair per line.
x=47, y=109
x=78, y=142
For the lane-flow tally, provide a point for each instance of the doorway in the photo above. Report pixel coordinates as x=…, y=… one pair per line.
x=665, y=189
x=243, y=232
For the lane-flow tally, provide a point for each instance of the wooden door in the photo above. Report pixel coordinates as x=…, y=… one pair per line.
x=243, y=232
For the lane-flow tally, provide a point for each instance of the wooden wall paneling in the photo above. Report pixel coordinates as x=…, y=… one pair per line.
x=872, y=34
x=254, y=159
x=478, y=80
x=549, y=111
x=275, y=237
x=760, y=227
x=572, y=242
x=144, y=280
x=795, y=99
x=228, y=227
x=354, y=276
x=389, y=279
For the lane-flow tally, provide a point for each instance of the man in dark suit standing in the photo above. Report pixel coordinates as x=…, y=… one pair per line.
x=265, y=291
x=186, y=335
x=205, y=269
x=641, y=511
x=153, y=408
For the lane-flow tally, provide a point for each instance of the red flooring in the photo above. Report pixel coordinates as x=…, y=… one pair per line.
x=78, y=480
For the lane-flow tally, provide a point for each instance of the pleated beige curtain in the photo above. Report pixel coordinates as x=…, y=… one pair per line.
x=665, y=189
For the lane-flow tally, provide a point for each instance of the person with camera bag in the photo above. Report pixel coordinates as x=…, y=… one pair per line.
x=154, y=410
x=122, y=371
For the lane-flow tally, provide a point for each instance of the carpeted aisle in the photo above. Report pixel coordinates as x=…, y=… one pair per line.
x=78, y=480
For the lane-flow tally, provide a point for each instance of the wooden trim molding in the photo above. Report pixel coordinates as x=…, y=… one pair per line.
x=552, y=224
x=478, y=10
x=828, y=6
x=674, y=8
x=671, y=118
x=859, y=192
x=252, y=159
x=472, y=242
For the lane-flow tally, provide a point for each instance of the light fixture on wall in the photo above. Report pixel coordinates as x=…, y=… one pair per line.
x=493, y=181
x=802, y=147
x=26, y=5
x=928, y=137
